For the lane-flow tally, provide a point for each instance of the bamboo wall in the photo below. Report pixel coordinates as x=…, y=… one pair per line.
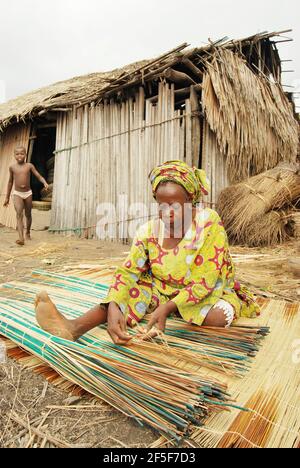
x=107, y=150
x=214, y=163
x=13, y=136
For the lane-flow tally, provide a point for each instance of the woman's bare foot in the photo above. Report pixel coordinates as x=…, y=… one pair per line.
x=20, y=243
x=28, y=236
x=51, y=320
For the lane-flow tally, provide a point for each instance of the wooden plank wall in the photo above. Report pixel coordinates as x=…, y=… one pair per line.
x=108, y=150
x=16, y=135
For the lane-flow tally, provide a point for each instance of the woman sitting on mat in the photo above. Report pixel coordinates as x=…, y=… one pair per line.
x=178, y=264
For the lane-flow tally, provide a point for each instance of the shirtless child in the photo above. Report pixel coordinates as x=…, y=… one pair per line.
x=19, y=174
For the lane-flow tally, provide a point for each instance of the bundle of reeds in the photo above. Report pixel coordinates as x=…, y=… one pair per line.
x=163, y=396
x=226, y=351
x=251, y=210
x=269, y=229
x=164, y=383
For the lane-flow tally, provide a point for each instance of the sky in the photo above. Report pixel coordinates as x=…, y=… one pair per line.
x=47, y=41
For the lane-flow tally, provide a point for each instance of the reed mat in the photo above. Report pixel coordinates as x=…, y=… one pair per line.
x=175, y=384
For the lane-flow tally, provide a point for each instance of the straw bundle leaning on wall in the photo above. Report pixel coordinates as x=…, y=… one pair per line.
x=294, y=220
x=269, y=229
x=249, y=209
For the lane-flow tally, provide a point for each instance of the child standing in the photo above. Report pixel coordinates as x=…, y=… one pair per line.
x=19, y=175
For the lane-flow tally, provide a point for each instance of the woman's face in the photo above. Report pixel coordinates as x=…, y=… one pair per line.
x=175, y=205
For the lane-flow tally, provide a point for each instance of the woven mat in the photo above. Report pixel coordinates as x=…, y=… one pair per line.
x=270, y=389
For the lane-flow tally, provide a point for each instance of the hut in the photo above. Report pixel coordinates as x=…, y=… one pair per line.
x=220, y=107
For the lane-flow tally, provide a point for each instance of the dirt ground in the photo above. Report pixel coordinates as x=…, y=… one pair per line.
x=49, y=251
x=27, y=416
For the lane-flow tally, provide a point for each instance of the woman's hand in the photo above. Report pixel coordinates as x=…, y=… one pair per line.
x=116, y=325
x=158, y=320
x=6, y=203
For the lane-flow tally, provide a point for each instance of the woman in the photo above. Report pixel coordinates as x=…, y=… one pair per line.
x=178, y=264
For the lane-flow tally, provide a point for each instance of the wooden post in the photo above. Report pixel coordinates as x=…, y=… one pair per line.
x=196, y=127
x=178, y=77
x=188, y=133
x=31, y=143
x=182, y=93
x=195, y=70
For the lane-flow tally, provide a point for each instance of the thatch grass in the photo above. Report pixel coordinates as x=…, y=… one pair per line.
x=293, y=218
x=63, y=94
x=251, y=117
x=269, y=229
x=248, y=209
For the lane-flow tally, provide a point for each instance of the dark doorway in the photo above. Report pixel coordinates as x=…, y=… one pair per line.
x=43, y=159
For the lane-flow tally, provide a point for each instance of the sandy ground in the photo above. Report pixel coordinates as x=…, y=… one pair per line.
x=25, y=397
x=16, y=261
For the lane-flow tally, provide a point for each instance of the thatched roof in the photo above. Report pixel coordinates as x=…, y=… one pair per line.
x=85, y=89
x=62, y=94
x=250, y=115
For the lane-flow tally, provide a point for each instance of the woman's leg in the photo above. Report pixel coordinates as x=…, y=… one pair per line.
x=53, y=322
x=91, y=319
x=221, y=315
x=215, y=318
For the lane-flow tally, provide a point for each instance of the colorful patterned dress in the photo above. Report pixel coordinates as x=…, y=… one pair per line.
x=195, y=275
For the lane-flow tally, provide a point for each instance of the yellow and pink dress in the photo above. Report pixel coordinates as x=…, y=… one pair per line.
x=195, y=275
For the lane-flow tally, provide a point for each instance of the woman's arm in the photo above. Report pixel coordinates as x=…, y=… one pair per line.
x=127, y=276
x=116, y=325
x=158, y=319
